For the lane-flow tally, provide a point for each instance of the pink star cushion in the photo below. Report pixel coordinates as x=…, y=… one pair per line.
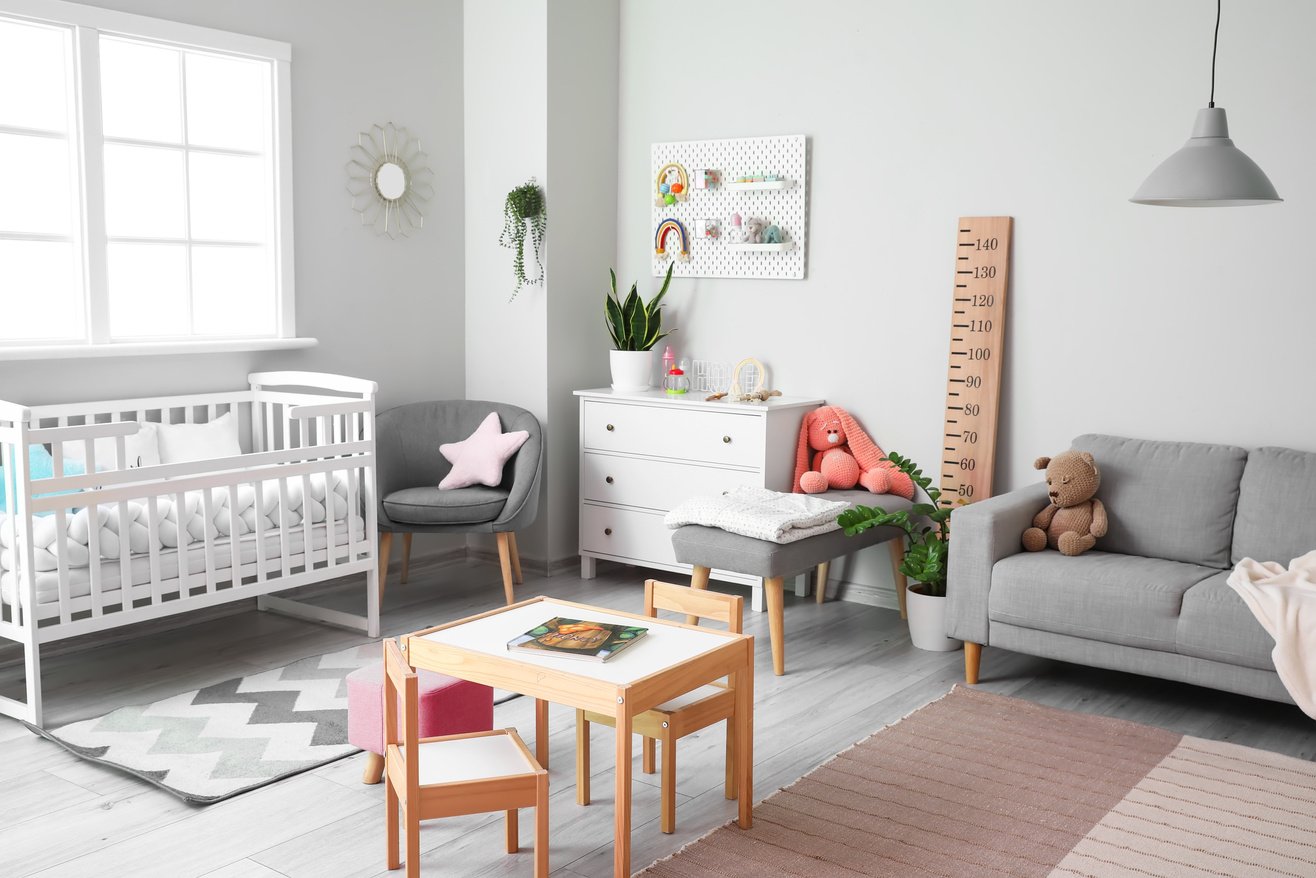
x=479, y=458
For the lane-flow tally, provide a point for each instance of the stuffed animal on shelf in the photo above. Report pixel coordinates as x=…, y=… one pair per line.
x=772, y=235
x=1074, y=518
x=753, y=230
x=835, y=452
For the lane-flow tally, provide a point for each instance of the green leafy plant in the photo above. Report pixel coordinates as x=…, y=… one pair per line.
x=633, y=324
x=926, y=527
x=524, y=207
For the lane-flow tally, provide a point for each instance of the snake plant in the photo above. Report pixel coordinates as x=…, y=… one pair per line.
x=633, y=324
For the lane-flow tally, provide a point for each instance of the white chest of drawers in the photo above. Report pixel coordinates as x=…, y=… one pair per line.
x=643, y=453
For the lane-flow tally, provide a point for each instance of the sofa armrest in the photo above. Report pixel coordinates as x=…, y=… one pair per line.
x=983, y=533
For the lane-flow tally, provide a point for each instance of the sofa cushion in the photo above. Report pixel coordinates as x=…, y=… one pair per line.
x=473, y=505
x=1215, y=624
x=1275, y=521
x=1171, y=500
x=1120, y=599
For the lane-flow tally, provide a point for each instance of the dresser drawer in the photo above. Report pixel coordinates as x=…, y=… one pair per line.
x=683, y=434
x=626, y=533
x=655, y=484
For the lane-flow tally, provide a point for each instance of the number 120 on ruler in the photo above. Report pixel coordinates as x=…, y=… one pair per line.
x=973, y=385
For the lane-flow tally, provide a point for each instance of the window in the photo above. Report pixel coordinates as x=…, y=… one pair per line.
x=144, y=189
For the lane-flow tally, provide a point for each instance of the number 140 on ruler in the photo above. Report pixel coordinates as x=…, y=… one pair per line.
x=973, y=381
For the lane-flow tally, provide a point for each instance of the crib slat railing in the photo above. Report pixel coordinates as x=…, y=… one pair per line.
x=260, y=529
x=184, y=541
x=285, y=530
x=208, y=543
x=234, y=532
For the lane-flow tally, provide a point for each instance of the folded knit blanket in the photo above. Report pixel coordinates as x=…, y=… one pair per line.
x=761, y=514
x=1284, y=602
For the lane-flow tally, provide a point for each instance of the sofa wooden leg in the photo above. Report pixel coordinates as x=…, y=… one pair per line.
x=698, y=579
x=374, y=770
x=385, y=549
x=406, y=557
x=505, y=561
x=774, y=589
x=972, y=658
x=897, y=549
x=820, y=581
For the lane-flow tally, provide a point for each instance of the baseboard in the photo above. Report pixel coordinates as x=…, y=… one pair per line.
x=863, y=593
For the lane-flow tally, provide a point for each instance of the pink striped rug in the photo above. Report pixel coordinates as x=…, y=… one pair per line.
x=982, y=785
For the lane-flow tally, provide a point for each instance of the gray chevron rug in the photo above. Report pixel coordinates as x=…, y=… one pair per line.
x=213, y=743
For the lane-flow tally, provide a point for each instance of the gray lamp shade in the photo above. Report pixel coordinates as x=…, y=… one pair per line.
x=1209, y=171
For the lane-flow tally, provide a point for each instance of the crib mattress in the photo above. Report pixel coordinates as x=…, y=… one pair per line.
x=139, y=564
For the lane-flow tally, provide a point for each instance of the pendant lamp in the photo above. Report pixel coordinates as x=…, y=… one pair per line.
x=1208, y=171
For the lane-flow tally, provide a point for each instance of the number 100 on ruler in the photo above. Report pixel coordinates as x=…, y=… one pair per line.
x=977, y=333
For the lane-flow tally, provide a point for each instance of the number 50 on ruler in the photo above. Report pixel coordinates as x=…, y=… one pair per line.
x=973, y=381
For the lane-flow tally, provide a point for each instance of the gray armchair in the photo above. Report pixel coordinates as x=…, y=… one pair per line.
x=410, y=467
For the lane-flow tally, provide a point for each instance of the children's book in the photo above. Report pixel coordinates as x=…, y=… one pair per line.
x=578, y=638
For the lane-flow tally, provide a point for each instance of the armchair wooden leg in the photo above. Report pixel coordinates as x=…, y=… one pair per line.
x=897, y=549
x=774, y=592
x=698, y=579
x=668, y=820
x=516, y=559
x=972, y=659
x=406, y=557
x=649, y=761
x=820, y=583
x=582, y=758
x=505, y=561
x=385, y=549
x=374, y=769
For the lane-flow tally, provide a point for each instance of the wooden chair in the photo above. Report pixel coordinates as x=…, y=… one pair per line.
x=474, y=773
x=681, y=716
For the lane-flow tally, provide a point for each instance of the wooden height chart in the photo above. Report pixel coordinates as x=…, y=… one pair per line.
x=973, y=382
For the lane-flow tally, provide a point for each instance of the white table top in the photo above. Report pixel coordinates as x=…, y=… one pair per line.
x=666, y=644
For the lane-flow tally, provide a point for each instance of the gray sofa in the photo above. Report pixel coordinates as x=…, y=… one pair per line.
x=1152, y=597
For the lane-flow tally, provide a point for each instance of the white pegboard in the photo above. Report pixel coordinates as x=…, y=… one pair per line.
x=786, y=208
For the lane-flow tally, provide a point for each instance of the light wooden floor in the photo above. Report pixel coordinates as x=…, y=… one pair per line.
x=851, y=670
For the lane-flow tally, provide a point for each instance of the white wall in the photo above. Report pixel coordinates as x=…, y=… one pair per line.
x=382, y=309
x=1152, y=322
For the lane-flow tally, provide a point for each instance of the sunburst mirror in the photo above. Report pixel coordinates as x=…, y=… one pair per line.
x=390, y=180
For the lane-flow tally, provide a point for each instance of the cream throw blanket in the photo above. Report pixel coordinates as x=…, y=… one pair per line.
x=761, y=514
x=1284, y=602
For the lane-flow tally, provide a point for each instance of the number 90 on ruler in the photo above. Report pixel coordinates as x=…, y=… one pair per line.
x=973, y=380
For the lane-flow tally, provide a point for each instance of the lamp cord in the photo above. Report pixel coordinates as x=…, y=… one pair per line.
x=1215, y=43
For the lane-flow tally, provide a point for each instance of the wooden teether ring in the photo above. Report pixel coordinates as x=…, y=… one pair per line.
x=736, y=389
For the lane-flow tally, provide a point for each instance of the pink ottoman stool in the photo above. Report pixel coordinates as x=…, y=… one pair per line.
x=448, y=706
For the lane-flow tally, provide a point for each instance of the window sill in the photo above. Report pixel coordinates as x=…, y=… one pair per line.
x=141, y=349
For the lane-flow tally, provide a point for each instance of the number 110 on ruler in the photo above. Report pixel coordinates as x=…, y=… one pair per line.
x=977, y=331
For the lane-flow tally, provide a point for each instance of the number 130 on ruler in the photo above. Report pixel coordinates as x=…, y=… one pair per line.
x=973, y=381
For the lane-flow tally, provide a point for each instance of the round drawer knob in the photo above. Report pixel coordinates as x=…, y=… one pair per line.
x=608, y=479
x=611, y=428
x=726, y=440
x=607, y=531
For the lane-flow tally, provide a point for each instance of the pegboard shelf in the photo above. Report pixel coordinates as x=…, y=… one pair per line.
x=760, y=185
x=678, y=227
x=764, y=248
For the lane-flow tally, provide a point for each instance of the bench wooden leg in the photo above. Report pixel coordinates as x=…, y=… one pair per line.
x=820, y=584
x=698, y=579
x=774, y=589
x=972, y=659
x=374, y=770
x=897, y=549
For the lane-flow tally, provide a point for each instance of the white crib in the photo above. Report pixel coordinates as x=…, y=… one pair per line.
x=125, y=544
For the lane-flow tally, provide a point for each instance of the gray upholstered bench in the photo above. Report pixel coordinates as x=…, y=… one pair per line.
x=709, y=547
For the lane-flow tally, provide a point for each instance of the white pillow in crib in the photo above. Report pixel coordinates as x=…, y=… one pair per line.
x=139, y=449
x=182, y=443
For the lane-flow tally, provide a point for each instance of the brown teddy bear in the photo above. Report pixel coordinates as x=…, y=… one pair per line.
x=1074, y=518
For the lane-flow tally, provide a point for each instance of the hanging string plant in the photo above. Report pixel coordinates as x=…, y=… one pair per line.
x=524, y=209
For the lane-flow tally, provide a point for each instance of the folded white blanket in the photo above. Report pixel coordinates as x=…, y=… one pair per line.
x=761, y=514
x=1284, y=602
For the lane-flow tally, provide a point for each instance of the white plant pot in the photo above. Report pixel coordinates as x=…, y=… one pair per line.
x=927, y=622
x=632, y=371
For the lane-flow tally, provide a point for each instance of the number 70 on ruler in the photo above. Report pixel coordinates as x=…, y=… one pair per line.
x=973, y=380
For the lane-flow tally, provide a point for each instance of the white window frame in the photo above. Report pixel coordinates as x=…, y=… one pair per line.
x=87, y=142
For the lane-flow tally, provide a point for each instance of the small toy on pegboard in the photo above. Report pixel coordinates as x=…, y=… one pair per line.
x=704, y=178
x=668, y=227
x=672, y=185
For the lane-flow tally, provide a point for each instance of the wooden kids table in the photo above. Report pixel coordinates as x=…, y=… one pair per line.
x=671, y=660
